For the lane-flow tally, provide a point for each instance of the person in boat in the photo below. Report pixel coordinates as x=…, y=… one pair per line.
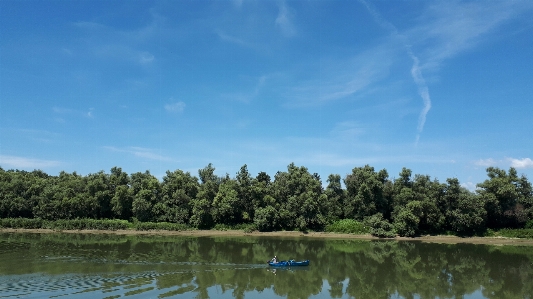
x=274, y=259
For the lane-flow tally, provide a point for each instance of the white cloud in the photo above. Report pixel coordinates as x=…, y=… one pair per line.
x=451, y=27
x=140, y=152
x=486, y=162
x=470, y=186
x=175, y=107
x=237, y=3
x=62, y=110
x=113, y=43
x=347, y=130
x=521, y=163
x=507, y=162
x=423, y=91
x=416, y=71
x=145, y=57
x=235, y=40
x=446, y=29
x=26, y=163
x=247, y=97
x=89, y=25
x=283, y=21
x=148, y=154
x=343, y=77
x=72, y=112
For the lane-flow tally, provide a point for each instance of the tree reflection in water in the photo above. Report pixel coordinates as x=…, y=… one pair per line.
x=80, y=265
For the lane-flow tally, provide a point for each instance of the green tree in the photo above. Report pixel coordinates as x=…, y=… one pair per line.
x=335, y=198
x=267, y=217
x=146, y=191
x=122, y=200
x=301, y=198
x=507, y=198
x=201, y=205
x=178, y=189
x=65, y=197
x=380, y=227
x=245, y=194
x=364, y=192
x=227, y=207
x=406, y=219
x=430, y=194
x=20, y=191
x=464, y=211
x=99, y=193
x=261, y=187
x=417, y=204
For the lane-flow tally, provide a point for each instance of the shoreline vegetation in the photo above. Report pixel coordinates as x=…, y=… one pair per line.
x=364, y=202
x=335, y=231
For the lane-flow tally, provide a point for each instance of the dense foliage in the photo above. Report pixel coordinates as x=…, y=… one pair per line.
x=295, y=199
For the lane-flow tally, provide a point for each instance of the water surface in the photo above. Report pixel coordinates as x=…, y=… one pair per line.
x=111, y=266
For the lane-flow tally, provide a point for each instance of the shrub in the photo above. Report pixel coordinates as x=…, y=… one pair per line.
x=246, y=227
x=144, y=226
x=516, y=233
x=222, y=227
x=529, y=224
x=21, y=223
x=380, y=227
x=250, y=228
x=85, y=223
x=347, y=226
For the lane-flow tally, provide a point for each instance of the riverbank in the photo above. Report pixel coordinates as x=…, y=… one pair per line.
x=292, y=234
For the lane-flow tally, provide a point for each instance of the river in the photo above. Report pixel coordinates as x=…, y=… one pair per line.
x=118, y=266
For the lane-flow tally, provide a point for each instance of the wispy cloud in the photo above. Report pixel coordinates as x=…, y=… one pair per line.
x=247, y=97
x=521, y=163
x=343, y=77
x=470, y=186
x=416, y=71
x=113, y=43
x=450, y=27
x=237, y=3
x=123, y=51
x=507, y=162
x=145, y=57
x=73, y=112
x=38, y=135
x=378, y=18
x=89, y=25
x=347, y=130
x=423, y=91
x=17, y=162
x=235, y=40
x=283, y=21
x=176, y=107
x=140, y=152
x=486, y=162
x=446, y=29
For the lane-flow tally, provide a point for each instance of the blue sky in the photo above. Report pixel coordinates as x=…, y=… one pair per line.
x=441, y=87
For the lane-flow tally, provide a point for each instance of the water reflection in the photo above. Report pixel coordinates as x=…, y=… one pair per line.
x=108, y=266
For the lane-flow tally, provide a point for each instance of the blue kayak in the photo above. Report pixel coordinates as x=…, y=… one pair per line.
x=290, y=263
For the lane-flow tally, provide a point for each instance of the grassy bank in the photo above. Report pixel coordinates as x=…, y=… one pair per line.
x=345, y=227
x=89, y=224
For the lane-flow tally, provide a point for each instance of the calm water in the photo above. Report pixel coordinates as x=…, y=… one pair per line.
x=108, y=266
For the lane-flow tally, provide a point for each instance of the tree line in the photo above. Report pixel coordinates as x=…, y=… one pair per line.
x=295, y=199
